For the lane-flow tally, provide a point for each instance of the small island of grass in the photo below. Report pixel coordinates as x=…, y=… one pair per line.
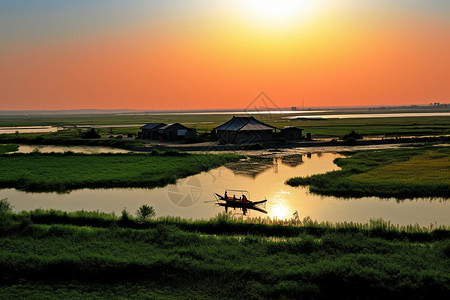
x=400, y=173
x=67, y=171
x=6, y=148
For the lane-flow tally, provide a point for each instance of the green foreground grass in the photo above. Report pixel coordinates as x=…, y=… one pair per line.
x=58, y=255
x=400, y=173
x=66, y=171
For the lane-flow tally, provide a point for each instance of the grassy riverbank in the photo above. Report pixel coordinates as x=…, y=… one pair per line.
x=5, y=148
x=66, y=138
x=63, y=172
x=400, y=173
x=44, y=255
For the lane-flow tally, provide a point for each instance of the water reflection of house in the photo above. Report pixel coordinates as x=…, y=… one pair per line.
x=150, y=131
x=253, y=166
x=292, y=160
x=240, y=130
x=176, y=132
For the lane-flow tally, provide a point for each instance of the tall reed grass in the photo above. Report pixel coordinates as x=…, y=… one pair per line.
x=226, y=224
x=242, y=259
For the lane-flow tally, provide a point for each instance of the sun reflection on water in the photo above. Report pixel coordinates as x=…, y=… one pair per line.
x=279, y=208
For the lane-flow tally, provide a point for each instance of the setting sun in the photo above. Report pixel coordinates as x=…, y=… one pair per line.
x=280, y=12
x=279, y=207
x=202, y=54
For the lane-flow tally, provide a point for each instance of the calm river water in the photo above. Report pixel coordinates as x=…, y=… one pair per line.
x=263, y=179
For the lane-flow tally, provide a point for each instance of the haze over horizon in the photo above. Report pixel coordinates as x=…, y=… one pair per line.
x=199, y=54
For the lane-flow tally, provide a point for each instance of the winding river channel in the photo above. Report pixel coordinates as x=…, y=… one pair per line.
x=263, y=178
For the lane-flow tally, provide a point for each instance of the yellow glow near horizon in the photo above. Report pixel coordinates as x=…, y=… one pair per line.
x=280, y=12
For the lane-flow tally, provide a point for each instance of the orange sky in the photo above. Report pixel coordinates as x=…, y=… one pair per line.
x=223, y=57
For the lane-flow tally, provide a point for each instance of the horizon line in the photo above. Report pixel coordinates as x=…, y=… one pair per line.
x=289, y=108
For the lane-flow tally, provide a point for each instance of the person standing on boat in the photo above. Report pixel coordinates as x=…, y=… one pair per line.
x=226, y=195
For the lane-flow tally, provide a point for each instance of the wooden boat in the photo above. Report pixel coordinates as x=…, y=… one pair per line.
x=242, y=202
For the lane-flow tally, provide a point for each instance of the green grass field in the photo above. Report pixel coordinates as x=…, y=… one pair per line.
x=400, y=173
x=44, y=255
x=63, y=172
x=406, y=126
x=205, y=122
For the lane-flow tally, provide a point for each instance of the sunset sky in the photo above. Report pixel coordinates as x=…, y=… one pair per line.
x=205, y=54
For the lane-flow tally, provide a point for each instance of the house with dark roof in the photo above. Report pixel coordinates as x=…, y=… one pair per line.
x=150, y=131
x=244, y=130
x=291, y=133
x=176, y=132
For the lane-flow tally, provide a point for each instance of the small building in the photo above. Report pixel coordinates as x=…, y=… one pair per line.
x=150, y=131
x=291, y=133
x=240, y=130
x=177, y=132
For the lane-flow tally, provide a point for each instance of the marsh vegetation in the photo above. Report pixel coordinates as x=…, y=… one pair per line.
x=67, y=171
x=67, y=138
x=5, y=148
x=401, y=173
x=55, y=254
x=396, y=126
x=90, y=254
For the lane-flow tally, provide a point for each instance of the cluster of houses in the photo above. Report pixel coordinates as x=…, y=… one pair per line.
x=238, y=130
